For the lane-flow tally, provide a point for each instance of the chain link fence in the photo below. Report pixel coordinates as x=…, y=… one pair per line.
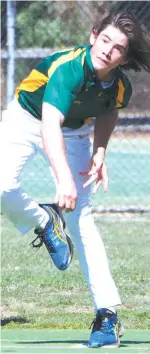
x=41, y=27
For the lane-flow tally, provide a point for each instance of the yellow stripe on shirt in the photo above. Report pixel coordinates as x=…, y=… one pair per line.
x=64, y=59
x=83, y=58
x=87, y=120
x=120, y=96
x=34, y=81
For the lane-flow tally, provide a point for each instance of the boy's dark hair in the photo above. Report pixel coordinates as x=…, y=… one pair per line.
x=138, y=55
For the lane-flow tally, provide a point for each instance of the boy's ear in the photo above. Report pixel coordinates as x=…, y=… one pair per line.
x=93, y=37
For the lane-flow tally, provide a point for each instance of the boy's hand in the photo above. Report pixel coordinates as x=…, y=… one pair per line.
x=97, y=173
x=66, y=195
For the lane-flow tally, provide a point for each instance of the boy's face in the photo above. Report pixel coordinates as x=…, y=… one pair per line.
x=109, y=49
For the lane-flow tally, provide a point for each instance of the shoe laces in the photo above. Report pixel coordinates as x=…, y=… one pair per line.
x=39, y=237
x=102, y=321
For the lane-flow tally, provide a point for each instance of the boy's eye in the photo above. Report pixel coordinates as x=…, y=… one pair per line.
x=104, y=40
x=120, y=50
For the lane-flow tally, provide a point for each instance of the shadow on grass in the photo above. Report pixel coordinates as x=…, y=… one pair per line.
x=83, y=342
x=73, y=341
x=124, y=343
x=15, y=319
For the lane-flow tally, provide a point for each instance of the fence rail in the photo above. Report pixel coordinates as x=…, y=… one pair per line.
x=30, y=53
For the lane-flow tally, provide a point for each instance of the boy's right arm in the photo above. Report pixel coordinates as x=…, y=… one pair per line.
x=54, y=146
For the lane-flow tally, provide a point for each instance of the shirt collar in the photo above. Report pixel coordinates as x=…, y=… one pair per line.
x=88, y=58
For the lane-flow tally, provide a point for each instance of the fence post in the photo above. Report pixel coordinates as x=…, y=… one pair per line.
x=11, y=19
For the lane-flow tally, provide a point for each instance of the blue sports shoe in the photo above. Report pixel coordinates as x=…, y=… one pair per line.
x=105, y=331
x=58, y=244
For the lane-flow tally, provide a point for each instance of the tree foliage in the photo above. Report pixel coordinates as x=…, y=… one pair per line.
x=62, y=23
x=51, y=24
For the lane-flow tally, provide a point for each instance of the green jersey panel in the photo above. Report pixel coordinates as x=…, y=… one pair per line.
x=55, y=80
x=67, y=80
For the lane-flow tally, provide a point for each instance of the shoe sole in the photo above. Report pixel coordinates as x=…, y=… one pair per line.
x=114, y=345
x=121, y=330
x=121, y=333
x=70, y=248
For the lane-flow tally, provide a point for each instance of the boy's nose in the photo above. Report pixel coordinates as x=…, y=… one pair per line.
x=107, y=51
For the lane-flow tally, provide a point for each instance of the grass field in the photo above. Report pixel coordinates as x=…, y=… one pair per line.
x=69, y=342
x=36, y=295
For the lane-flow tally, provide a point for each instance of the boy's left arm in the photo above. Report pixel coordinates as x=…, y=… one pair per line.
x=104, y=126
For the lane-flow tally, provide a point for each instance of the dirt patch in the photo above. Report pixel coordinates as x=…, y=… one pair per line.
x=7, y=313
x=129, y=307
x=75, y=309
x=143, y=298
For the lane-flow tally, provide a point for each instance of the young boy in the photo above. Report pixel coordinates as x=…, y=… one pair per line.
x=53, y=113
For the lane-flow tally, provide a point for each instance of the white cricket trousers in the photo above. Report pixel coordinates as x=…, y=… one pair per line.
x=20, y=141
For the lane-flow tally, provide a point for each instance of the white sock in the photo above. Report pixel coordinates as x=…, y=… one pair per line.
x=45, y=219
x=112, y=309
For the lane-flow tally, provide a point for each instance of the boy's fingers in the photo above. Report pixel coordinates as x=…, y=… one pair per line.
x=105, y=180
x=92, y=171
x=105, y=185
x=87, y=173
x=83, y=173
x=96, y=187
x=90, y=181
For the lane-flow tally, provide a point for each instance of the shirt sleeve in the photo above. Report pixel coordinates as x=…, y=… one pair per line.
x=124, y=93
x=63, y=86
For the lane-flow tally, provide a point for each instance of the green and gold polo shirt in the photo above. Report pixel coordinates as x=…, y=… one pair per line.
x=67, y=80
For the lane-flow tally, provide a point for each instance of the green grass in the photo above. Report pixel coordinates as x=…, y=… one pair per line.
x=69, y=341
x=36, y=295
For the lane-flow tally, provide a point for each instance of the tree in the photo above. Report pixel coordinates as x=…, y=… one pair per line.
x=51, y=24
